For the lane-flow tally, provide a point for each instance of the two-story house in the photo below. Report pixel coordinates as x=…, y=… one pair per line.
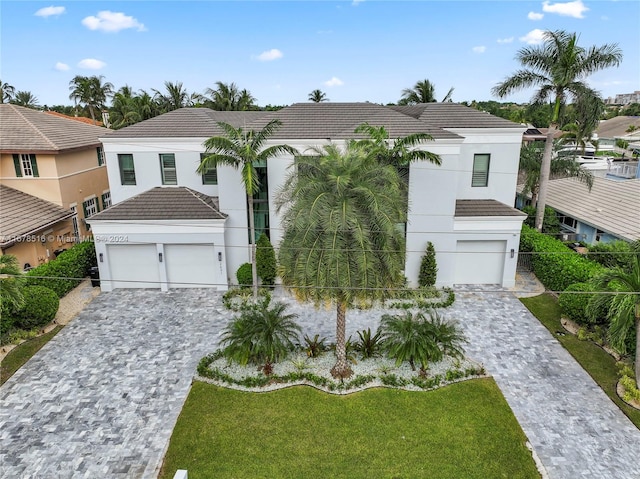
x=56, y=159
x=462, y=206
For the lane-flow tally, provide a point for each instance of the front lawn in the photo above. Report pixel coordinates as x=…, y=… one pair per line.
x=462, y=430
x=596, y=361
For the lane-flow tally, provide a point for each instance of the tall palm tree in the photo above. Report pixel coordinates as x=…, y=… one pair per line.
x=340, y=241
x=227, y=97
x=91, y=92
x=318, y=96
x=124, y=110
x=422, y=92
x=176, y=96
x=6, y=92
x=11, y=297
x=622, y=299
x=587, y=111
x=26, y=99
x=561, y=167
x=244, y=150
x=558, y=68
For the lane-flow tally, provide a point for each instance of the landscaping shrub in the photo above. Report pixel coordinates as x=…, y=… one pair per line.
x=6, y=323
x=550, y=222
x=611, y=255
x=65, y=272
x=244, y=275
x=40, y=307
x=266, y=260
x=555, y=265
x=428, y=267
x=573, y=302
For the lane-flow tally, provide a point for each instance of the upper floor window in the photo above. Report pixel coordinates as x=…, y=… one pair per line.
x=480, y=175
x=168, y=169
x=90, y=207
x=25, y=165
x=127, y=170
x=106, y=199
x=100, y=154
x=209, y=177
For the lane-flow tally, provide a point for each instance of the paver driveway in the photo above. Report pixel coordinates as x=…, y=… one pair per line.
x=101, y=399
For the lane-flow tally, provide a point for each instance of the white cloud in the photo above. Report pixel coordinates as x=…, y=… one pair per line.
x=270, y=55
x=335, y=81
x=61, y=67
x=91, y=64
x=534, y=37
x=49, y=11
x=573, y=9
x=355, y=3
x=479, y=49
x=107, y=21
x=505, y=40
x=535, y=16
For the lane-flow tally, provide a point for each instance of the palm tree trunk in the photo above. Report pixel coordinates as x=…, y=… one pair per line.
x=545, y=170
x=341, y=369
x=252, y=246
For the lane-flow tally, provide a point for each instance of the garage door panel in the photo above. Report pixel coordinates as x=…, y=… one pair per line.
x=191, y=265
x=134, y=265
x=480, y=262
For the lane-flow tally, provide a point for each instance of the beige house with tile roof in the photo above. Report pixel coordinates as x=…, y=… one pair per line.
x=58, y=159
x=32, y=229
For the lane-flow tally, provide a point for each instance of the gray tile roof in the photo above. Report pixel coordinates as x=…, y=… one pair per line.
x=23, y=214
x=485, y=208
x=617, y=126
x=337, y=121
x=611, y=206
x=186, y=123
x=454, y=115
x=164, y=203
x=23, y=130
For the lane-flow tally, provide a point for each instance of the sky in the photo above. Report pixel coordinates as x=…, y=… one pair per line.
x=363, y=50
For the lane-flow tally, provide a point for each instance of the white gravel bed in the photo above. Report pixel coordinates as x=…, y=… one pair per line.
x=299, y=362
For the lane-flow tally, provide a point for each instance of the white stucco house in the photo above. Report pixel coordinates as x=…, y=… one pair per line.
x=171, y=227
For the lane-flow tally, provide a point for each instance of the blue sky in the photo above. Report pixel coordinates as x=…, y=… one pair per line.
x=280, y=51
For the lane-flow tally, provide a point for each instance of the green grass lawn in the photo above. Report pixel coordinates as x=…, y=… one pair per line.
x=597, y=362
x=21, y=354
x=465, y=430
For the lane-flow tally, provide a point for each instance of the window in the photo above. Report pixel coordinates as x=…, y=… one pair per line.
x=599, y=234
x=480, y=176
x=106, y=199
x=261, y=202
x=74, y=222
x=127, y=170
x=25, y=165
x=209, y=177
x=569, y=221
x=100, y=153
x=168, y=169
x=90, y=207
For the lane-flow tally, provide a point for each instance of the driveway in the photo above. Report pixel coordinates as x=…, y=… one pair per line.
x=101, y=399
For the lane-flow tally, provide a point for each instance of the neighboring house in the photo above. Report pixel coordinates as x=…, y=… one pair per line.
x=82, y=119
x=57, y=159
x=625, y=128
x=609, y=212
x=32, y=229
x=461, y=206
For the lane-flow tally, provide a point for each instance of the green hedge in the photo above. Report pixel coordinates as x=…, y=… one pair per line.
x=40, y=307
x=60, y=273
x=266, y=261
x=244, y=275
x=556, y=265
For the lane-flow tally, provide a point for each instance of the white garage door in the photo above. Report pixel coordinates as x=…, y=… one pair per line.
x=191, y=265
x=134, y=265
x=480, y=262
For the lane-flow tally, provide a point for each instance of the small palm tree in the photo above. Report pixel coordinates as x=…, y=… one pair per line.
x=561, y=167
x=26, y=99
x=317, y=96
x=558, y=68
x=245, y=150
x=340, y=242
x=621, y=298
x=11, y=297
x=6, y=92
x=420, y=340
x=422, y=92
x=261, y=335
